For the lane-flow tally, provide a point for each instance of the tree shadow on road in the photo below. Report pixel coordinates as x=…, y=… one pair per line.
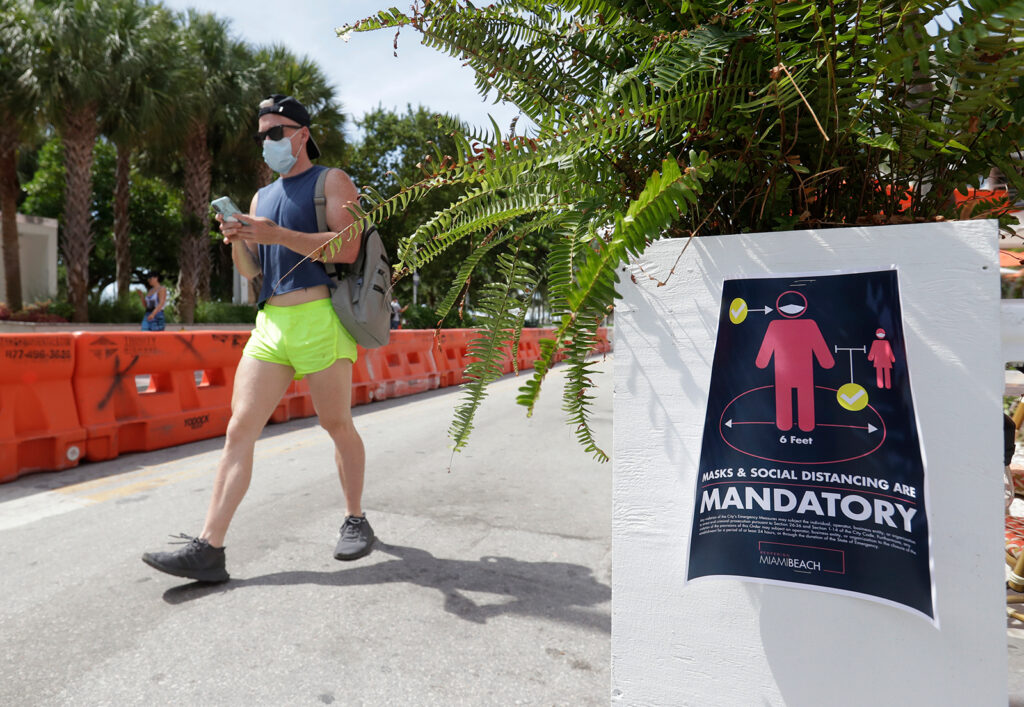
x=559, y=591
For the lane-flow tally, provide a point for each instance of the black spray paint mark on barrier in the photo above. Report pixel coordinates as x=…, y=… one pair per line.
x=235, y=339
x=187, y=343
x=117, y=378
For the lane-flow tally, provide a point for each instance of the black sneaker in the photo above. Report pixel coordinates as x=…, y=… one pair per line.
x=356, y=539
x=198, y=560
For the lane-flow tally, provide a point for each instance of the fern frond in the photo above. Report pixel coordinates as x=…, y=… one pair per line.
x=577, y=399
x=478, y=211
x=502, y=306
x=543, y=223
x=790, y=115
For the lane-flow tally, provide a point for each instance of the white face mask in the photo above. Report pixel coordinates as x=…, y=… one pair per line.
x=278, y=155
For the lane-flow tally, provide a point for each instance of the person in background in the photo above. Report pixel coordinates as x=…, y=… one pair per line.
x=154, y=301
x=396, y=313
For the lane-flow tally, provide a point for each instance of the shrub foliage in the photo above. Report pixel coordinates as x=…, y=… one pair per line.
x=679, y=119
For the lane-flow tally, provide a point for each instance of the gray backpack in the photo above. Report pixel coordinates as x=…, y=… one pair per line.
x=361, y=298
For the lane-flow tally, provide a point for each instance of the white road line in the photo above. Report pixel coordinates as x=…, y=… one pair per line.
x=29, y=509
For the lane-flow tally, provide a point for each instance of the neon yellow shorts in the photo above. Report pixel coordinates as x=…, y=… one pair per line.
x=307, y=337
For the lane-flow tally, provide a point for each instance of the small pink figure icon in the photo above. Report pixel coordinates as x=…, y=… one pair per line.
x=795, y=343
x=882, y=356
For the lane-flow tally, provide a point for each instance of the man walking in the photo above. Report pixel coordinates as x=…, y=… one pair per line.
x=297, y=334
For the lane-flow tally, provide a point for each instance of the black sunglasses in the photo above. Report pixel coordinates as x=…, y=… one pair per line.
x=274, y=133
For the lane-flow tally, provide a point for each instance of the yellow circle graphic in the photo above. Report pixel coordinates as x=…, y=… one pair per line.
x=852, y=397
x=737, y=311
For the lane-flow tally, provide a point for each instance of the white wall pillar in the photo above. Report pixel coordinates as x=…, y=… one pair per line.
x=37, y=246
x=239, y=288
x=727, y=642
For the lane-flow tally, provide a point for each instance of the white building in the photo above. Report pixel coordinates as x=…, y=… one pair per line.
x=37, y=242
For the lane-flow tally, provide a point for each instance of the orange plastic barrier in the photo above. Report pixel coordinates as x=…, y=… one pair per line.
x=450, y=355
x=366, y=387
x=295, y=404
x=406, y=365
x=451, y=351
x=505, y=356
x=39, y=425
x=603, y=344
x=188, y=396
x=98, y=395
x=996, y=201
x=549, y=333
x=529, y=348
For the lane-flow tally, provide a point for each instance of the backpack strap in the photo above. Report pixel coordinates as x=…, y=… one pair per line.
x=320, y=204
x=320, y=201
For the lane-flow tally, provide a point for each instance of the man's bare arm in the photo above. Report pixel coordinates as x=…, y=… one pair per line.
x=339, y=192
x=243, y=254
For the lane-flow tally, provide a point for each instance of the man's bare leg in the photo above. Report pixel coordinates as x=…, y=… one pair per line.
x=331, y=391
x=258, y=388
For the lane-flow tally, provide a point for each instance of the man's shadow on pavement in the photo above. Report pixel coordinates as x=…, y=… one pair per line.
x=553, y=590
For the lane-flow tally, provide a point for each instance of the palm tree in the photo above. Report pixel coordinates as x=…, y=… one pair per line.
x=215, y=98
x=18, y=96
x=74, y=71
x=143, y=59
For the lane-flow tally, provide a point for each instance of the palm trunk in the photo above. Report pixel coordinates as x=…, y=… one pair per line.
x=79, y=138
x=194, y=246
x=265, y=174
x=205, y=262
x=9, y=214
x=122, y=224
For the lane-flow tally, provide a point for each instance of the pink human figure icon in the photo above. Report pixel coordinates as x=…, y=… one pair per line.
x=795, y=343
x=882, y=356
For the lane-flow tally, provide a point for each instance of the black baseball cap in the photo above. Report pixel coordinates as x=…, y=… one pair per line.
x=293, y=110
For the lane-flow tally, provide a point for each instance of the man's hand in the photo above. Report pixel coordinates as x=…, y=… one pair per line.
x=228, y=228
x=256, y=229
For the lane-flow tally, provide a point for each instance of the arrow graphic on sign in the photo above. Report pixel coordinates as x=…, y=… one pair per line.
x=738, y=310
x=869, y=427
x=729, y=423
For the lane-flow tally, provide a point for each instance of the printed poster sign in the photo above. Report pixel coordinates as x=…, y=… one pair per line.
x=811, y=471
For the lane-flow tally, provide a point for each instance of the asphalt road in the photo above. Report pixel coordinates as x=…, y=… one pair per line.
x=490, y=583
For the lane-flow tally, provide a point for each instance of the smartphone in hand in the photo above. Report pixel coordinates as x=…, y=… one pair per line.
x=227, y=208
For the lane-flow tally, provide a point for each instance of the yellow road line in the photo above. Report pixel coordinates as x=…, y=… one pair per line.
x=96, y=491
x=144, y=485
